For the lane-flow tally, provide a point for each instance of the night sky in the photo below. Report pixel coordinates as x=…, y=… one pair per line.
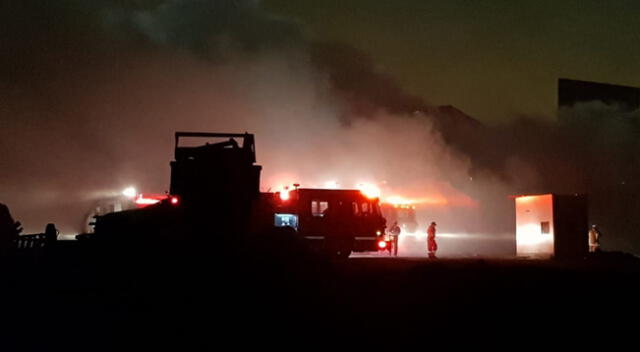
x=491, y=59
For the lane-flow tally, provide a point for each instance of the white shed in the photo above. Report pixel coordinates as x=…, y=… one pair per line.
x=551, y=225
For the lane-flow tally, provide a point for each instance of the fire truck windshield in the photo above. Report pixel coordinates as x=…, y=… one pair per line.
x=286, y=220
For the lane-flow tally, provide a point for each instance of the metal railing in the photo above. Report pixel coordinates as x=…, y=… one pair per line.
x=38, y=240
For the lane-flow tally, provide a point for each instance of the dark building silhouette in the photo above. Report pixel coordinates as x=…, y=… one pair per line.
x=572, y=91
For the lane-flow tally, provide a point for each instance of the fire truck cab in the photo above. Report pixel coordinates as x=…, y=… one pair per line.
x=336, y=221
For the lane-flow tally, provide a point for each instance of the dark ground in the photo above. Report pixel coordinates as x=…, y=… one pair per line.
x=204, y=297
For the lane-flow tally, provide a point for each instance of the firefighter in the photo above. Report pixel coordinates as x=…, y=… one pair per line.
x=594, y=239
x=51, y=233
x=432, y=246
x=394, y=230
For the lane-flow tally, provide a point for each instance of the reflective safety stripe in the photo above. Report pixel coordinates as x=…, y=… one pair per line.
x=314, y=237
x=366, y=238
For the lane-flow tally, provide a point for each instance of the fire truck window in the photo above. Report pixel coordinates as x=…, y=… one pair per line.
x=319, y=208
x=365, y=207
x=356, y=211
x=324, y=206
x=545, y=227
x=286, y=220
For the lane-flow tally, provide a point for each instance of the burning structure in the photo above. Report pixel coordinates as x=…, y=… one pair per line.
x=551, y=225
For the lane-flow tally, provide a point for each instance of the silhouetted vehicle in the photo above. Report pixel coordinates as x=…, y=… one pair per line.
x=213, y=187
x=404, y=214
x=214, y=195
x=337, y=221
x=106, y=206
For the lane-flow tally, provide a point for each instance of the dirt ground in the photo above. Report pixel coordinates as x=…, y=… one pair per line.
x=198, y=297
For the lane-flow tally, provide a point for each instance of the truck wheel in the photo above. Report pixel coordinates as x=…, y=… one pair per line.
x=338, y=248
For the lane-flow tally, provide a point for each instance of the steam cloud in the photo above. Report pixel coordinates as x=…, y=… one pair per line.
x=93, y=93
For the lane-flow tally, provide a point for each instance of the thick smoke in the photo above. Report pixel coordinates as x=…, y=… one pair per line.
x=91, y=104
x=93, y=93
x=591, y=149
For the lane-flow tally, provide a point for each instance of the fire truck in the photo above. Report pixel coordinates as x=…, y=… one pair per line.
x=404, y=214
x=339, y=221
x=214, y=192
x=120, y=203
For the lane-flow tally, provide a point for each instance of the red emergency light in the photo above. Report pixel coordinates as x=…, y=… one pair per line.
x=142, y=201
x=147, y=200
x=382, y=244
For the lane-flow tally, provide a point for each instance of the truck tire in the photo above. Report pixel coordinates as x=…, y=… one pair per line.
x=339, y=248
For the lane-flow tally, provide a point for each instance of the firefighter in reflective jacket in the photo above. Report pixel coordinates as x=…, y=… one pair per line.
x=594, y=239
x=432, y=246
x=394, y=230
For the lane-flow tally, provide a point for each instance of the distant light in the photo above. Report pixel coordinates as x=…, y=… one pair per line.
x=129, y=192
x=369, y=190
x=397, y=200
x=174, y=200
x=378, y=233
x=146, y=201
x=331, y=185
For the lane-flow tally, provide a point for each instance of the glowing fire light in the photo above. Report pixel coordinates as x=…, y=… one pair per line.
x=397, y=200
x=402, y=202
x=284, y=193
x=369, y=190
x=331, y=185
x=141, y=200
x=437, y=200
x=129, y=192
